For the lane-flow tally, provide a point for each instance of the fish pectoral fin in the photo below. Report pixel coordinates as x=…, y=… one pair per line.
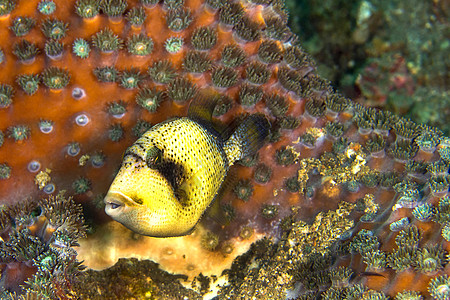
x=216, y=212
x=182, y=192
x=182, y=196
x=202, y=107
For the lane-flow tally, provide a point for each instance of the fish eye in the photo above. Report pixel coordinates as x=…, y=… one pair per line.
x=154, y=157
x=114, y=205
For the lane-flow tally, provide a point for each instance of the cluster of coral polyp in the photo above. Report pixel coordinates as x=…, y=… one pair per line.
x=36, y=249
x=81, y=80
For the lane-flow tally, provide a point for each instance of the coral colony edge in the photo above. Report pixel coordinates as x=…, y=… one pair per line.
x=341, y=202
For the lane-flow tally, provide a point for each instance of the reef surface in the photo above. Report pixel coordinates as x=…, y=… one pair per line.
x=342, y=202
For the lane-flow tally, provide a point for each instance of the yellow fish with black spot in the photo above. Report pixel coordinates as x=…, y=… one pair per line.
x=173, y=172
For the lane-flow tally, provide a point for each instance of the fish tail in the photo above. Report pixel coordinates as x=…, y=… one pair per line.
x=248, y=138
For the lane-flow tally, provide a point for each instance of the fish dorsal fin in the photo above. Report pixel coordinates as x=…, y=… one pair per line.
x=248, y=137
x=202, y=106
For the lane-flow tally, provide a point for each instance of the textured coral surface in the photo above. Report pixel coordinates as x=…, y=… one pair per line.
x=351, y=201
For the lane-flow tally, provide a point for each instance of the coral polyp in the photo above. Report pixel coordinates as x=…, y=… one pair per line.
x=55, y=78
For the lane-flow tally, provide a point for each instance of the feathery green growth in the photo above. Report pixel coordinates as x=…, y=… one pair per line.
x=375, y=260
x=6, y=6
x=257, y=73
x=87, y=8
x=383, y=121
x=98, y=159
x=196, y=62
x=22, y=25
x=233, y=56
x=162, y=72
x=115, y=132
x=113, y=8
x=81, y=185
x=29, y=82
x=136, y=16
x=231, y=13
x=141, y=127
x=140, y=44
x=243, y=190
x=210, y=241
x=5, y=171
x=149, y=99
x=439, y=183
x=340, y=276
x=55, y=78
x=439, y=287
x=403, y=149
x=181, y=89
x=223, y=105
x=249, y=94
x=375, y=144
x=54, y=29
x=334, y=129
x=204, y=38
x=215, y=4
x=290, y=79
x=173, y=3
x=249, y=160
x=54, y=49
x=148, y=2
x=439, y=167
x=18, y=132
x=292, y=184
x=337, y=103
x=247, y=30
x=276, y=28
x=117, y=108
x=46, y=126
x=224, y=77
x=285, y=156
x=315, y=108
x=73, y=149
x=408, y=295
x=364, y=242
x=269, y=211
x=399, y=224
x=173, y=44
x=445, y=232
x=178, y=19
x=107, y=41
x=25, y=51
x=277, y=104
x=6, y=94
x=81, y=48
x=428, y=138
x=106, y=74
x=130, y=78
x=46, y=7
x=270, y=52
x=406, y=128
x=288, y=122
x=430, y=259
x=262, y=173
x=416, y=167
x=423, y=212
x=309, y=140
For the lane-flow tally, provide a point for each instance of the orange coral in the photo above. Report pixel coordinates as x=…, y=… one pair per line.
x=323, y=148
